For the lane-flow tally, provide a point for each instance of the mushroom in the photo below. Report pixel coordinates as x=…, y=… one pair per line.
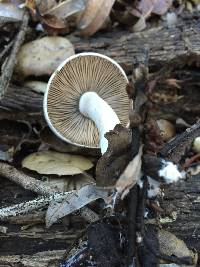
x=87, y=92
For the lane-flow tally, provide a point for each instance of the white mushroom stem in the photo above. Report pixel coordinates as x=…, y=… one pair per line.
x=94, y=107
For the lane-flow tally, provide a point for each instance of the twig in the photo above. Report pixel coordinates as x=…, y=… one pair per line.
x=6, y=49
x=140, y=75
x=27, y=182
x=28, y=206
x=38, y=187
x=8, y=69
x=175, y=149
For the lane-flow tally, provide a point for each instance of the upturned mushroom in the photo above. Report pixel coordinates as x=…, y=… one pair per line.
x=85, y=98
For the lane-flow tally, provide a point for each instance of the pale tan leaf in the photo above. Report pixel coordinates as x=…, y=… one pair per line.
x=43, y=56
x=74, y=201
x=130, y=176
x=94, y=16
x=159, y=7
x=51, y=162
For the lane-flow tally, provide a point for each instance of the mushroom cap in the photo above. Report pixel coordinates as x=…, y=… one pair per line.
x=78, y=74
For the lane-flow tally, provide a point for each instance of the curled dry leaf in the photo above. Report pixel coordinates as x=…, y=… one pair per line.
x=130, y=176
x=74, y=201
x=51, y=162
x=67, y=8
x=94, y=16
x=53, y=24
x=159, y=7
x=43, y=56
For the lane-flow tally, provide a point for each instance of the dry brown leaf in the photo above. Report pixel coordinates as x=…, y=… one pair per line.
x=67, y=8
x=94, y=16
x=30, y=4
x=159, y=7
x=53, y=24
x=51, y=162
x=130, y=176
x=74, y=201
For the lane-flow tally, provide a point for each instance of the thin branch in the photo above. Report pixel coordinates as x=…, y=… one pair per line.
x=27, y=182
x=32, y=205
x=38, y=187
x=6, y=49
x=10, y=64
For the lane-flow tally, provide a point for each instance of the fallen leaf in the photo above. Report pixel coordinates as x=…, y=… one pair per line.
x=165, y=243
x=67, y=8
x=51, y=162
x=31, y=5
x=94, y=16
x=159, y=7
x=53, y=24
x=43, y=56
x=37, y=86
x=171, y=245
x=74, y=201
x=42, y=6
x=130, y=176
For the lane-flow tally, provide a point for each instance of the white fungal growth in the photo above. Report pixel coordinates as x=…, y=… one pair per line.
x=94, y=107
x=170, y=172
x=154, y=188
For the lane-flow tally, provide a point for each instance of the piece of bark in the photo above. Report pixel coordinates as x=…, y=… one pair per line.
x=164, y=43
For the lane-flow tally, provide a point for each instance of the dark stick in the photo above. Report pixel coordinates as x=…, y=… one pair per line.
x=6, y=49
x=174, y=150
x=10, y=64
x=140, y=75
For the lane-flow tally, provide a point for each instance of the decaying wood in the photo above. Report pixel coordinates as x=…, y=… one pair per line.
x=10, y=63
x=164, y=44
x=181, y=203
x=21, y=99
